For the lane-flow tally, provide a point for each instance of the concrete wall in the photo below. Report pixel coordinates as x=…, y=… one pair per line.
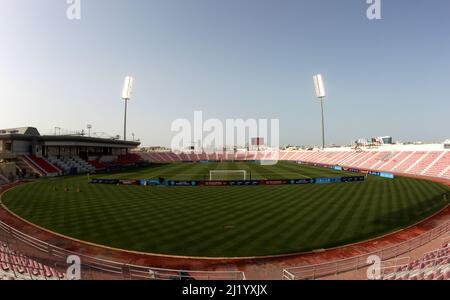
x=8, y=168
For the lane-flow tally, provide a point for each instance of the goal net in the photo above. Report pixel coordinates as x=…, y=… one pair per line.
x=227, y=175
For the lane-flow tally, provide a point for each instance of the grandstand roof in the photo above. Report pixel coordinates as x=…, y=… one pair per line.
x=21, y=130
x=31, y=133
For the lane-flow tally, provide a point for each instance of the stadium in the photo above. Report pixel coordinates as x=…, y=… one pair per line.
x=270, y=188
x=159, y=215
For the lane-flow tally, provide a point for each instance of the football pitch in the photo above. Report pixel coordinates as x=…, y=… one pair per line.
x=241, y=221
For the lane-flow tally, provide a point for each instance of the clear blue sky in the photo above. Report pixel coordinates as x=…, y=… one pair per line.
x=230, y=59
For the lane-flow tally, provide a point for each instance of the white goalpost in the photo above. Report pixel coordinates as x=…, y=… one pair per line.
x=227, y=175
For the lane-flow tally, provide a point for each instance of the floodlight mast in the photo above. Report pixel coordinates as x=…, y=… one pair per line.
x=323, y=123
x=320, y=94
x=89, y=127
x=126, y=95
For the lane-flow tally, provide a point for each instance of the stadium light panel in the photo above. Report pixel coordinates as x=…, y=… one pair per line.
x=319, y=86
x=127, y=88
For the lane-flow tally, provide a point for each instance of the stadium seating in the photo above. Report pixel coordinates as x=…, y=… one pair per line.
x=396, y=160
x=68, y=164
x=409, y=162
x=212, y=156
x=423, y=163
x=147, y=156
x=41, y=165
x=193, y=157
x=251, y=155
x=376, y=158
x=184, y=157
x=353, y=159
x=446, y=174
x=16, y=266
x=335, y=156
x=439, y=166
x=241, y=156
x=3, y=180
x=98, y=165
x=434, y=265
x=170, y=157
x=202, y=156
x=128, y=160
x=165, y=157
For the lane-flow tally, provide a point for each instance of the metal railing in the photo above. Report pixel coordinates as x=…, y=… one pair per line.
x=427, y=265
x=93, y=268
x=311, y=272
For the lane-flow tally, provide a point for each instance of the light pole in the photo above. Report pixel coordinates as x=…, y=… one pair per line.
x=126, y=95
x=89, y=127
x=320, y=94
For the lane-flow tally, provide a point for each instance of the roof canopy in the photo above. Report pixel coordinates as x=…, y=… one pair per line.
x=21, y=130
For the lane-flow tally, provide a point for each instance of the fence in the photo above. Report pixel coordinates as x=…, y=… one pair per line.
x=311, y=272
x=53, y=260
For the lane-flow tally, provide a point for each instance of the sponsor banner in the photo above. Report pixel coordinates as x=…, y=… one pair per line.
x=151, y=182
x=230, y=183
x=382, y=174
x=186, y=183
x=244, y=182
x=129, y=182
x=317, y=165
x=214, y=183
x=353, y=179
x=352, y=170
x=387, y=175
x=301, y=181
x=275, y=182
x=327, y=180
x=105, y=181
x=182, y=183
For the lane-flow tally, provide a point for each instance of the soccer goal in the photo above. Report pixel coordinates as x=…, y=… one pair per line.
x=227, y=175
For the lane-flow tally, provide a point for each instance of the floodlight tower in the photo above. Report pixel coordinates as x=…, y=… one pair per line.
x=320, y=94
x=89, y=127
x=126, y=95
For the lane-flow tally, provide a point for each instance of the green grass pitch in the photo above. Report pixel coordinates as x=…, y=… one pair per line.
x=226, y=221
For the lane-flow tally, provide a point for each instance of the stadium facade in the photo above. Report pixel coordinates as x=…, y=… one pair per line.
x=24, y=152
